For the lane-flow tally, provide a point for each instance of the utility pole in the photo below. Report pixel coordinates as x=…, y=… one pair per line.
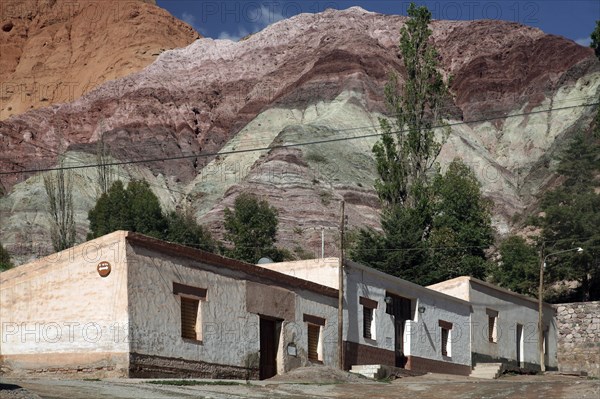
x=541, y=310
x=341, y=291
x=541, y=301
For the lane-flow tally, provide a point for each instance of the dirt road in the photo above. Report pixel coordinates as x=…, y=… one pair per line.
x=427, y=386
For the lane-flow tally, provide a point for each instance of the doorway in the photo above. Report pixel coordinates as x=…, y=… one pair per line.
x=519, y=345
x=269, y=342
x=401, y=310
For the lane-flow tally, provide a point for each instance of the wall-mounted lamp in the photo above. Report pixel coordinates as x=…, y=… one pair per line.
x=421, y=309
x=388, y=300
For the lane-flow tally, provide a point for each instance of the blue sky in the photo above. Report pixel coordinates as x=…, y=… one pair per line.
x=232, y=19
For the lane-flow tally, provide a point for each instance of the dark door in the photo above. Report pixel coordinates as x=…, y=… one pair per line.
x=401, y=309
x=268, y=349
x=399, y=342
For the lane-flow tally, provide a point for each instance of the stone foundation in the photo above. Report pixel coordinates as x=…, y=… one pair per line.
x=146, y=366
x=358, y=354
x=423, y=365
x=578, y=327
x=70, y=365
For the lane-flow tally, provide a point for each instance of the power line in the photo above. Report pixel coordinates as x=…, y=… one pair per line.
x=281, y=146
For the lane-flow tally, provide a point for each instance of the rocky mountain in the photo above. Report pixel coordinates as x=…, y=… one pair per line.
x=53, y=51
x=291, y=113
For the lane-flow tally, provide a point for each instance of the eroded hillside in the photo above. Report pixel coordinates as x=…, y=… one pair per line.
x=518, y=95
x=53, y=51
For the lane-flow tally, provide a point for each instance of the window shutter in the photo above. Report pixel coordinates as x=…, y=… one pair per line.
x=313, y=342
x=189, y=316
x=444, y=342
x=367, y=319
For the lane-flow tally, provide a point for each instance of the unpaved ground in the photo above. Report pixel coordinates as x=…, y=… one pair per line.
x=427, y=386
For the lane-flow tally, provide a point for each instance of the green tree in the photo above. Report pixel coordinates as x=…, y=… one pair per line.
x=135, y=209
x=406, y=157
x=519, y=266
x=59, y=189
x=5, y=262
x=183, y=229
x=572, y=219
x=111, y=212
x=408, y=149
x=252, y=228
x=146, y=215
x=595, y=44
x=461, y=227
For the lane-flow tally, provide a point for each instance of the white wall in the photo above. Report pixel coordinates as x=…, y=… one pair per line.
x=320, y=271
x=57, y=312
x=512, y=309
x=230, y=331
x=422, y=335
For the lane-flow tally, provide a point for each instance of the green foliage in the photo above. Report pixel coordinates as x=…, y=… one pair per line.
x=596, y=39
x=252, y=228
x=406, y=156
x=458, y=231
x=145, y=212
x=183, y=229
x=462, y=226
x=111, y=212
x=434, y=227
x=5, y=262
x=572, y=219
x=519, y=267
x=137, y=209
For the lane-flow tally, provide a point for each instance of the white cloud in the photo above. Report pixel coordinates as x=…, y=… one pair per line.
x=586, y=41
x=188, y=18
x=259, y=18
x=241, y=32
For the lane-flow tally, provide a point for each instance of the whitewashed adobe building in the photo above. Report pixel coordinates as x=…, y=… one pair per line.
x=126, y=305
x=504, y=324
x=393, y=322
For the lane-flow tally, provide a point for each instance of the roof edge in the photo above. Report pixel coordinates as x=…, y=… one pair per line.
x=233, y=264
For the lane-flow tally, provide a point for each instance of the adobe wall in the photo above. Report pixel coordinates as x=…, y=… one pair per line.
x=58, y=315
x=579, y=338
x=229, y=319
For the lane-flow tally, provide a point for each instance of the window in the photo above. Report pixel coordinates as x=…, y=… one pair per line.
x=314, y=333
x=315, y=344
x=492, y=325
x=369, y=306
x=190, y=299
x=367, y=320
x=446, y=328
x=189, y=319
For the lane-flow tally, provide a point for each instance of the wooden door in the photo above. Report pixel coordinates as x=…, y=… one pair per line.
x=401, y=309
x=268, y=349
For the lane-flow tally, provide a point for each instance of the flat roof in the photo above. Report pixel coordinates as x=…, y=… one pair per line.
x=470, y=279
x=232, y=264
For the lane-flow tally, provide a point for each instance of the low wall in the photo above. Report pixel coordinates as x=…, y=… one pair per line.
x=579, y=338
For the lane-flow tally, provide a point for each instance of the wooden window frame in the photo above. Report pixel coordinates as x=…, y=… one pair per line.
x=367, y=322
x=190, y=308
x=314, y=355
